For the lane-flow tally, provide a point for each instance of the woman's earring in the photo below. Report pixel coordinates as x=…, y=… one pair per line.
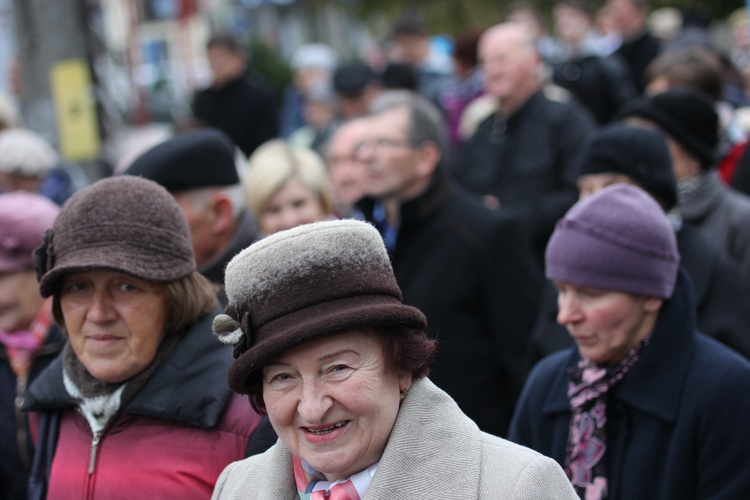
x=402, y=395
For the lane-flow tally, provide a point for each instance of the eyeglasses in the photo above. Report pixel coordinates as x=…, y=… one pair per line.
x=381, y=143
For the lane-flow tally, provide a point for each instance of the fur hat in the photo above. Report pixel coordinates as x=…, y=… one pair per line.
x=122, y=223
x=304, y=284
x=617, y=239
x=638, y=153
x=198, y=159
x=24, y=217
x=686, y=116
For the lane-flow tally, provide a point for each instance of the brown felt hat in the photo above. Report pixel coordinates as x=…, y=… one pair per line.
x=123, y=223
x=303, y=284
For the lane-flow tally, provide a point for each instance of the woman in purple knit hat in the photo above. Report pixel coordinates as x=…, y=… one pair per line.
x=643, y=406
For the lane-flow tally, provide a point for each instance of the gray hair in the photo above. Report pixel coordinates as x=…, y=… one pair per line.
x=425, y=120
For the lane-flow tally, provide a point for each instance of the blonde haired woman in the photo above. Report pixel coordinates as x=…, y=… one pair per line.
x=286, y=187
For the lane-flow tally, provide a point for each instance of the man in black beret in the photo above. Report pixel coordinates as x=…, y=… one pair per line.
x=198, y=169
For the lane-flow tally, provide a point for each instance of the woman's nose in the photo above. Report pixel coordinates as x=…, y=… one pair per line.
x=568, y=309
x=101, y=309
x=314, y=402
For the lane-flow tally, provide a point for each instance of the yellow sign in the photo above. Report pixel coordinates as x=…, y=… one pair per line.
x=75, y=107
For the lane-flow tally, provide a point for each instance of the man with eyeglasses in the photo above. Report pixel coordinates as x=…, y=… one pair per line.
x=468, y=268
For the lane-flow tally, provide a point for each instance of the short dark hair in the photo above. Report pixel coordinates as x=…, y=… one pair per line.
x=409, y=25
x=406, y=351
x=227, y=42
x=465, y=47
x=399, y=76
x=188, y=300
x=425, y=119
x=584, y=6
x=694, y=67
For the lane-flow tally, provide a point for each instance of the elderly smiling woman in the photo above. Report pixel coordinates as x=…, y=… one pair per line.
x=324, y=345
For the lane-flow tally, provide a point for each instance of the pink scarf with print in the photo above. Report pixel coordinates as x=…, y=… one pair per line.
x=588, y=389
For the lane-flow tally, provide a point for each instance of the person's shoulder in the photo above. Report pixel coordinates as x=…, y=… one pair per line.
x=740, y=201
x=512, y=470
x=564, y=112
x=552, y=364
x=255, y=476
x=718, y=364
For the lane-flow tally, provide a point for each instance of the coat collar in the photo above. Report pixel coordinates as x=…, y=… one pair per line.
x=437, y=194
x=706, y=197
x=452, y=457
x=428, y=415
x=654, y=384
x=189, y=386
x=245, y=234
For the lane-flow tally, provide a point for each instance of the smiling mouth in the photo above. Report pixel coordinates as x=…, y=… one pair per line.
x=332, y=428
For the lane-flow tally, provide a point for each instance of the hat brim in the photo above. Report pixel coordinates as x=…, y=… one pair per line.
x=315, y=322
x=151, y=266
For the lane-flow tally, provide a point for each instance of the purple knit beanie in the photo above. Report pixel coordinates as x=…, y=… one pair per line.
x=304, y=284
x=123, y=223
x=618, y=239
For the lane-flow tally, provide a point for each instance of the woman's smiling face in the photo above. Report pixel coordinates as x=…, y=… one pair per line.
x=334, y=401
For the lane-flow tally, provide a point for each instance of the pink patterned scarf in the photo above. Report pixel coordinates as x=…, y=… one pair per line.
x=588, y=388
x=311, y=485
x=22, y=345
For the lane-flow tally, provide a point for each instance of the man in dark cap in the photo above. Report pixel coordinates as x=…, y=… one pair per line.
x=356, y=85
x=198, y=169
x=690, y=124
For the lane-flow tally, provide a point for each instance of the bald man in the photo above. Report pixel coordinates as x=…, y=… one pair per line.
x=524, y=156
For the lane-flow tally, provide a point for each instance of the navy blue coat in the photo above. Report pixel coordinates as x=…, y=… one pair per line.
x=677, y=424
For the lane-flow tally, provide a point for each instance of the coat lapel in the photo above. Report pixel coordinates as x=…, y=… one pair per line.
x=450, y=463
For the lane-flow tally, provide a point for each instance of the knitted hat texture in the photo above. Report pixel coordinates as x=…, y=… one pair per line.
x=617, y=239
x=687, y=116
x=638, y=153
x=123, y=223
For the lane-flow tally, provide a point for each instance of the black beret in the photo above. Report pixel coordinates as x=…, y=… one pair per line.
x=198, y=159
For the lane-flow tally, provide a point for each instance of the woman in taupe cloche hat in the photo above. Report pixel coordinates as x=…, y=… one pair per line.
x=325, y=347
x=136, y=406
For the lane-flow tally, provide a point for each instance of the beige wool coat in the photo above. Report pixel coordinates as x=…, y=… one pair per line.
x=434, y=451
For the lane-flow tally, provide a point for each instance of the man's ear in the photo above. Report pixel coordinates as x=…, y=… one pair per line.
x=222, y=212
x=428, y=158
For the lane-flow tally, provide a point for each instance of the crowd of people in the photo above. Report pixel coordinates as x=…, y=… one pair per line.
x=517, y=270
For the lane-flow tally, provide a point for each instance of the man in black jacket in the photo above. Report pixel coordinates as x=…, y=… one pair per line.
x=240, y=106
x=468, y=268
x=523, y=157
